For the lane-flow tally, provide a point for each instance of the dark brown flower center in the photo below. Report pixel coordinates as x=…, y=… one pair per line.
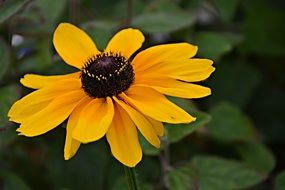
x=106, y=74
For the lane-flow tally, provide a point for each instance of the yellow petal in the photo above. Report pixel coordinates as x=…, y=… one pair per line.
x=39, y=99
x=72, y=145
x=94, y=120
x=195, y=76
x=126, y=42
x=39, y=81
x=162, y=53
x=155, y=105
x=73, y=45
x=143, y=124
x=174, y=87
x=158, y=126
x=51, y=116
x=191, y=70
x=178, y=66
x=122, y=137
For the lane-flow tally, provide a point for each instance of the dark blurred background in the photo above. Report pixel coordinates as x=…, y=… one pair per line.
x=238, y=140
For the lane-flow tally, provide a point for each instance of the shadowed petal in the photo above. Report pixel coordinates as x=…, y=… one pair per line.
x=94, y=120
x=143, y=124
x=155, y=105
x=72, y=145
x=122, y=137
x=51, y=116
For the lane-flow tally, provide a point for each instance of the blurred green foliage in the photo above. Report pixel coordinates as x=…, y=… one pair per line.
x=239, y=144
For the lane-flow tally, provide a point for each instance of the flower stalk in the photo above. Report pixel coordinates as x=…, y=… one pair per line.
x=130, y=174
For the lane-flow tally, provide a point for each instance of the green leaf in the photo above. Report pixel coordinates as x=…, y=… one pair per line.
x=212, y=45
x=12, y=181
x=176, y=132
x=51, y=10
x=8, y=95
x=257, y=155
x=148, y=149
x=9, y=8
x=163, y=22
x=230, y=124
x=179, y=131
x=222, y=174
x=4, y=58
x=101, y=31
x=183, y=178
x=280, y=181
x=226, y=8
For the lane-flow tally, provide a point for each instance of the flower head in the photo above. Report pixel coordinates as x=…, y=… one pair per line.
x=112, y=94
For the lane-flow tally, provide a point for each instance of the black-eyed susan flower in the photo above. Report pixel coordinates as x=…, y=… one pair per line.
x=114, y=93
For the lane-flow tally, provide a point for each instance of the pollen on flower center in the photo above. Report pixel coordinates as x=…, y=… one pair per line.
x=106, y=74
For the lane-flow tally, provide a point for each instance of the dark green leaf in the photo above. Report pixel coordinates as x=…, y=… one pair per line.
x=212, y=45
x=101, y=31
x=230, y=124
x=163, y=22
x=183, y=178
x=257, y=155
x=263, y=29
x=4, y=58
x=238, y=76
x=12, y=182
x=9, y=8
x=221, y=174
x=226, y=8
x=280, y=181
x=7, y=135
x=179, y=131
x=85, y=169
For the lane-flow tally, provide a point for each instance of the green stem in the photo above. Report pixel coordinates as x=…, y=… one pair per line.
x=131, y=177
x=129, y=12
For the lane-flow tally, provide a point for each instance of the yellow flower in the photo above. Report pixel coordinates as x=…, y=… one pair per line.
x=112, y=94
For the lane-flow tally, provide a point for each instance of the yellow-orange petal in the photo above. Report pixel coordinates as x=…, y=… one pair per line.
x=126, y=42
x=73, y=45
x=173, y=87
x=72, y=145
x=161, y=53
x=94, y=120
x=155, y=105
x=39, y=99
x=122, y=137
x=143, y=124
x=51, y=116
x=38, y=81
